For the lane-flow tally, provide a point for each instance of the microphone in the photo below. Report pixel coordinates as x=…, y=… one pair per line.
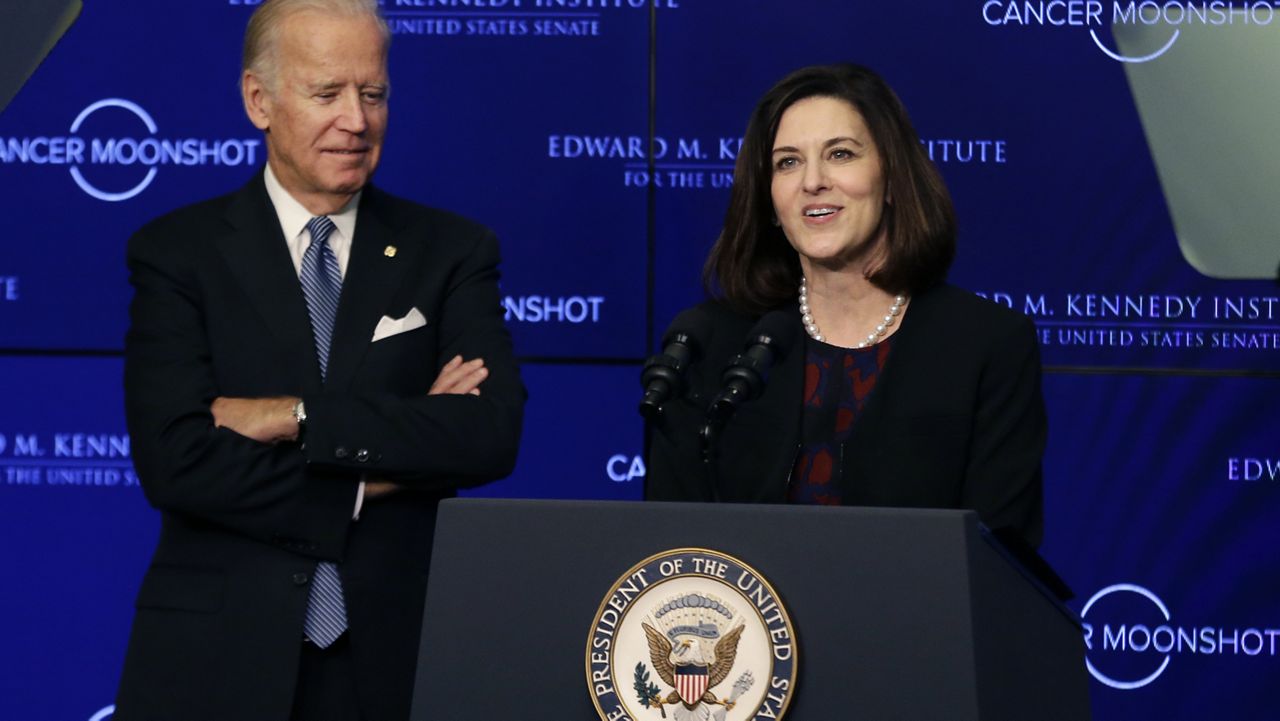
x=663, y=375
x=769, y=339
x=745, y=378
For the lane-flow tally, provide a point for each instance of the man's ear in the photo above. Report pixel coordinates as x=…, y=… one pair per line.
x=257, y=100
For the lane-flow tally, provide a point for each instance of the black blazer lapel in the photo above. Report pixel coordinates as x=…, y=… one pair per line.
x=257, y=255
x=866, y=446
x=373, y=275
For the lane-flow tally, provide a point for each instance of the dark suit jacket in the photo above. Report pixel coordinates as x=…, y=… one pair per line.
x=956, y=419
x=218, y=311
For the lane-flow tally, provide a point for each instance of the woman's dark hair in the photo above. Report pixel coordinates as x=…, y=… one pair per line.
x=754, y=268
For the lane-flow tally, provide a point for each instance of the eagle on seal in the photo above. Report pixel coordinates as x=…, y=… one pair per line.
x=689, y=655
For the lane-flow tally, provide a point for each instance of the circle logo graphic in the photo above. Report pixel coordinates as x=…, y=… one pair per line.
x=146, y=119
x=691, y=634
x=1136, y=634
x=114, y=150
x=1131, y=59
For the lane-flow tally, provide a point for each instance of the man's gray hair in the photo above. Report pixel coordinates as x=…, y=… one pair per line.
x=262, y=36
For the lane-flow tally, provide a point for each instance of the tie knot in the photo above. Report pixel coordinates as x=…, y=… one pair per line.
x=320, y=227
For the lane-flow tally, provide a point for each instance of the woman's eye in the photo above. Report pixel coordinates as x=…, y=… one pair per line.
x=785, y=163
x=841, y=154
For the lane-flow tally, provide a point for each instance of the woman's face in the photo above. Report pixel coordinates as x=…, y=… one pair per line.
x=827, y=187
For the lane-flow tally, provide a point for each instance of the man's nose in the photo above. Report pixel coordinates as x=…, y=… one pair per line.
x=352, y=113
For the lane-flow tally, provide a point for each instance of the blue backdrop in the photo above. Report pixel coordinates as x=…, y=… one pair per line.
x=535, y=117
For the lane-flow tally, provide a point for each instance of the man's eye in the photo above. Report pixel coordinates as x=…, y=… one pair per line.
x=375, y=98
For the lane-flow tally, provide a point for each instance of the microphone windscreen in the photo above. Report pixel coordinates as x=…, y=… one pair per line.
x=694, y=324
x=776, y=329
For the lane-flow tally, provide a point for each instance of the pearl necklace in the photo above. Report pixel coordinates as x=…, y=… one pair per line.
x=811, y=326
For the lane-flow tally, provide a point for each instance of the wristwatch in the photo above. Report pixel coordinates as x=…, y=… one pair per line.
x=300, y=413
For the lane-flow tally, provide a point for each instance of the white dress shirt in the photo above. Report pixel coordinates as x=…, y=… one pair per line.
x=293, y=221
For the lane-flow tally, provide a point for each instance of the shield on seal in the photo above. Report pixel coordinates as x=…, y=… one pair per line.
x=691, y=683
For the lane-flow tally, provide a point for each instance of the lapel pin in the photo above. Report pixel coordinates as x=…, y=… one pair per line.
x=389, y=251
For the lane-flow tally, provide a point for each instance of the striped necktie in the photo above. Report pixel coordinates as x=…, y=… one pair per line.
x=322, y=285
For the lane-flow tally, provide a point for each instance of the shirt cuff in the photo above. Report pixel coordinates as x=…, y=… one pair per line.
x=355, y=514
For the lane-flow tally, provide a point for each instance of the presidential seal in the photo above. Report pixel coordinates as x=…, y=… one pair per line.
x=691, y=635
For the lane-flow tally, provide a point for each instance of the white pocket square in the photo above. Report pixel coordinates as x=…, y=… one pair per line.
x=389, y=326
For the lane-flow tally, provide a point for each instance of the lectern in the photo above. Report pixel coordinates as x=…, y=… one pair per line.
x=903, y=614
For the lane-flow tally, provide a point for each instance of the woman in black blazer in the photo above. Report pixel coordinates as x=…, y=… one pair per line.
x=902, y=390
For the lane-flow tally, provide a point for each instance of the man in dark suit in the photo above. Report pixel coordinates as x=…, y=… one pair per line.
x=311, y=365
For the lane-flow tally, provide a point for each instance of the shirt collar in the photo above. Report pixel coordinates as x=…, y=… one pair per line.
x=294, y=217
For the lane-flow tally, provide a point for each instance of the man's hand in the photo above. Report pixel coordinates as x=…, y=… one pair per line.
x=455, y=377
x=460, y=378
x=270, y=420
x=377, y=489
x=266, y=420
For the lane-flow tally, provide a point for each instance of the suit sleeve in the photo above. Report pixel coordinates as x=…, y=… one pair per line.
x=442, y=441
x=1003, y=478
x=185, y=464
